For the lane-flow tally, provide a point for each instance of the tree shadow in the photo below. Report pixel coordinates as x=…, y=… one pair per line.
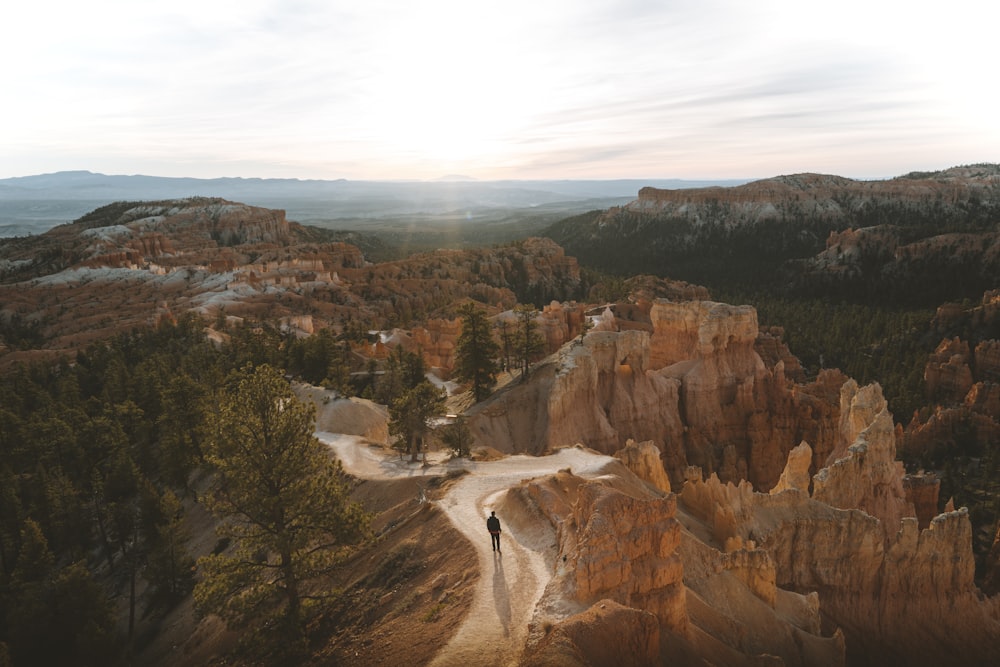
x=501, y=596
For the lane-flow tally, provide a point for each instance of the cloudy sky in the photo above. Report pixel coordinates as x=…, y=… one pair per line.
x=372, y=89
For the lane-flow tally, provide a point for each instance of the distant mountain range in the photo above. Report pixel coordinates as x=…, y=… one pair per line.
x=33, y=204
x=921, y=238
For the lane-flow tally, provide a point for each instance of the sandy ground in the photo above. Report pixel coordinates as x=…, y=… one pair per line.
x=495, y=631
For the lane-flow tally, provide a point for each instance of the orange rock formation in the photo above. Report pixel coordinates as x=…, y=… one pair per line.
x=696, y=387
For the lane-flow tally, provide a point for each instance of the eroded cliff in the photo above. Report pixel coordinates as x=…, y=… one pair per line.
x=902, y=594
x=695, y=386
x=843, y=561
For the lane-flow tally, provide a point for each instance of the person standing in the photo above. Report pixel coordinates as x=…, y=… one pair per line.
x=493, y=525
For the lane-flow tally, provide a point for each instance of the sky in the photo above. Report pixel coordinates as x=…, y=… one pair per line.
x=575, y=89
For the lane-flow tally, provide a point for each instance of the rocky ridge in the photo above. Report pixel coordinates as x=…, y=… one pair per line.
x=132, y=264
x=822, y=194
x=917, y=239
x=695, y=386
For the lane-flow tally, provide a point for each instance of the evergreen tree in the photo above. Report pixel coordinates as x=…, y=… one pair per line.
x=528, y=342
x=506, y=342
x=285, y=503
x=457, y=437
x=338, y=371
x=476, y=352
x=409, y=414
x=169, y=567
x=55, y=616
x=182, y=428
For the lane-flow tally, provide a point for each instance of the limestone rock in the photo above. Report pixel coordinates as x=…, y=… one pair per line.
x=984, y=398
x=695, y=386
x=626, y=550
x=934, y=435
x=796, y=474
x=773, y=350
x=702, y=329
x=922, y=491
x=436, y=342
x=991, y=582
x=350, y=416
x=596, y=393
x=902, y=595
x=987, y=358
x=947, y=374
x=643, y=459
x=606, y=635
x=868, y=476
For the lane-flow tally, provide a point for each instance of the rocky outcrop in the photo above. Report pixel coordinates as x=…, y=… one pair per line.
x=947, y=375
x=902, y=594
x=733, y=596
x=616, y=540
x=626, y=549
x=987, y=356
x=606, y=635
x=796, y=473
x=772, y=350
x=984, y=398
x=897, y=603
x=350, y=416
x=611, y=544
x=821, y=194
x=436, y=342
x=948, y=431
x=922, y=491
x=991, y=582
x=643, y=459
x=123, y=264
x=867, y=476
x=695, y=386
x=581, y=395
x=644, y=289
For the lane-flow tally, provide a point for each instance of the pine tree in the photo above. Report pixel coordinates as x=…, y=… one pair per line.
x=506, y=342
x=182, y=427
x=54, y=616
x=285, y=503
x=457, y=437
x=528, y=342
x=409, y=414
x=169, y=567
x=476, y=352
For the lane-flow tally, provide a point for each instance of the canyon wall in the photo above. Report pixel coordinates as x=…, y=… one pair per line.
x=622, y=545
x=822, y=194
x=694, y=385
x=901, y=594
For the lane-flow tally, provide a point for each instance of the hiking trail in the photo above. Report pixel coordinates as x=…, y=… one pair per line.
x=511, y=583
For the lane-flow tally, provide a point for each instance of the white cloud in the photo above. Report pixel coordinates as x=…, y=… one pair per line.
x=517, y=90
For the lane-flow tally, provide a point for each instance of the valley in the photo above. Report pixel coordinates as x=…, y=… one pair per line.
x=729, y=425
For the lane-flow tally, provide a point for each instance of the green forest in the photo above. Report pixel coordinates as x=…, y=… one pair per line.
x=96, y=459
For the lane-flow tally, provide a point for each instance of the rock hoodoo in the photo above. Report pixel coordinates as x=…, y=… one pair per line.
x=831, y=566
x=695, y=386
x=901, y=594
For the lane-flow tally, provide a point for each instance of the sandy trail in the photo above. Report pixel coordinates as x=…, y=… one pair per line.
x=495, y=631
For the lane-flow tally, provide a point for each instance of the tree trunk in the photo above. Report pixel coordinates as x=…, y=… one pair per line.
x=414, y=449
x=291, y=590
x=109, y=553
x=131, y=600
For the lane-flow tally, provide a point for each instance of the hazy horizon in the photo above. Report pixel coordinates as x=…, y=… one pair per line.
x=591, y=90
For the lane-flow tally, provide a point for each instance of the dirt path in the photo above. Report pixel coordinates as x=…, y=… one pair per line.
x=495, y=631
